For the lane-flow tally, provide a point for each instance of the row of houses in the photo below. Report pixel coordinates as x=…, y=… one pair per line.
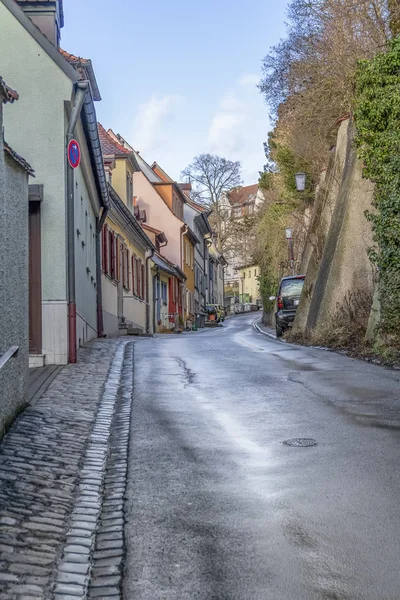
x=107, y=243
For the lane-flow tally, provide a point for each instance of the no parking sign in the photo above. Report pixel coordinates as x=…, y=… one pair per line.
x=74, y=154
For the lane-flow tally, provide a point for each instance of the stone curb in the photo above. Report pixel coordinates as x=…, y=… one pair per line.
x=73, y=569
x=108, y=558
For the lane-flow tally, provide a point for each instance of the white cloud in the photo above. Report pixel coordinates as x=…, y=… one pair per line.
x=152, y=120
x=239, y=126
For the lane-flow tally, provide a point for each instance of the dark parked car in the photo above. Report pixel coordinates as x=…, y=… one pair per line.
x=287, y=301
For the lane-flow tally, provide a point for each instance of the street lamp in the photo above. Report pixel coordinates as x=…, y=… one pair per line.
x=300, y=182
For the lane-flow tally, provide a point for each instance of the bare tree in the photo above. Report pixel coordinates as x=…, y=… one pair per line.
x=211, y=176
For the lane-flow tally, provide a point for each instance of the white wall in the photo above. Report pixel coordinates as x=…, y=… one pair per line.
x=86, y=209
x=159, y=216
x=35, y=125
x=110, y=300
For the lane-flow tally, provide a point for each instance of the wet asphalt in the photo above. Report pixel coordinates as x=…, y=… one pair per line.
x=218, y=508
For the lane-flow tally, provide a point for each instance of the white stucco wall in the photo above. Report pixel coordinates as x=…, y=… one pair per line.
x=110, y=306
x=159, y=216
x=86, y=209
x=35, y=125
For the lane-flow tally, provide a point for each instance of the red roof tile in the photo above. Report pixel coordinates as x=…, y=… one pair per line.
x=108, y=145
x=72, y=58
x=243, y=195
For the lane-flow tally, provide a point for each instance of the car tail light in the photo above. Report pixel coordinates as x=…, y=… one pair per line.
x=280, y=302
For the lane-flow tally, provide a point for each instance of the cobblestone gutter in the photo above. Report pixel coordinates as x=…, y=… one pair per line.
x=52, y=469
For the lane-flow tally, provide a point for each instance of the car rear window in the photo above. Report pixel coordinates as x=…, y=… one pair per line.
x=291, y=287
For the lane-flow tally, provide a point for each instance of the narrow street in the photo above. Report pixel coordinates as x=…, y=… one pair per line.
x=155, y=469
x=219, y=508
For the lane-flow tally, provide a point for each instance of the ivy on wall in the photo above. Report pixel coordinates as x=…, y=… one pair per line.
x=377, y=116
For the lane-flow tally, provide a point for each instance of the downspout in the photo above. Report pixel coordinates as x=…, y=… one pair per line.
x=148, y=314
x=155, y=298
x=185, y=229
x=81, y=88
x=99, y=292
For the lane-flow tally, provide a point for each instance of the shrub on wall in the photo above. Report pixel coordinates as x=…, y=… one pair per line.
x=377, y=116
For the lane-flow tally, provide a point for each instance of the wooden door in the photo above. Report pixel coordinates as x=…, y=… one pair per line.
x=35, y=280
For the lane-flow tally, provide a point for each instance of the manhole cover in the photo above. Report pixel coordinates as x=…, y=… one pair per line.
x=301, y=442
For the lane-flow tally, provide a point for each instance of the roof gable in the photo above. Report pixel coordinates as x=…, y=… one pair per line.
x=243, y=195
x=85, y=69
x=109, y=146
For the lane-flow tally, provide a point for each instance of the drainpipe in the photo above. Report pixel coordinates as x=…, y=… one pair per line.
x=156, y=286
x=148, y=258
x=81, y=88
x=185, y=229
x=99, y=294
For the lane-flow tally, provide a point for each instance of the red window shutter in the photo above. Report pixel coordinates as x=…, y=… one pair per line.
x=137, y=277
x=143, y=283
x=133, y=273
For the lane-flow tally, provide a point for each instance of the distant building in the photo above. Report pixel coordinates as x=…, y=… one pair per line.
x=249, y=284
x=238, y=204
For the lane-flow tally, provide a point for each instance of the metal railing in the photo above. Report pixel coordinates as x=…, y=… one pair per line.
x=13, y=351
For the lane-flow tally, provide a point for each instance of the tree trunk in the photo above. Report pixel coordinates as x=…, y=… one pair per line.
x=394, y=9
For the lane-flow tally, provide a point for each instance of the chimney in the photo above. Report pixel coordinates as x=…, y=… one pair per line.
x=47, y=15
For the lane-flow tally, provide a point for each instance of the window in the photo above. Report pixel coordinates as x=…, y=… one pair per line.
x=133, y=271
x=138, y=278
x=127, y=269
x=111, y=255
x=104, y=233
x=249, y=274
x=129, y=191
x=255, y=272
x=143, y=290
x=164, y=292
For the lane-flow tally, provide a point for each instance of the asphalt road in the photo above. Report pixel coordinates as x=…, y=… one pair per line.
x=218, y=508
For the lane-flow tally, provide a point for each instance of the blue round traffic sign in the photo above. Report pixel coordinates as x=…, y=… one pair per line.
x=74, y=154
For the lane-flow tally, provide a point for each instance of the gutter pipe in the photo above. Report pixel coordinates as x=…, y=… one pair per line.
x=99, y=292
x=148, y=258
x=81, y=88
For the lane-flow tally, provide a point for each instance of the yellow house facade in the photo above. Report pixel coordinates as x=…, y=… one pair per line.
x=189, y=241
x=249, y=284
x=126, y=249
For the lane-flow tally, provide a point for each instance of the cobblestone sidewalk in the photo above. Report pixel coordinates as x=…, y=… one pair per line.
x=62, y=482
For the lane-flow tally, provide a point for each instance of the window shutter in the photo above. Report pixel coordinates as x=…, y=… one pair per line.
x=143, y=283
x=133, y=273
x=127, y=270
x=123, y=265
x=110, y=249
x=104, y=248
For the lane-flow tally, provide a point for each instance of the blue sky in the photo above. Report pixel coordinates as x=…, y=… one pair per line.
x=178, y=78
